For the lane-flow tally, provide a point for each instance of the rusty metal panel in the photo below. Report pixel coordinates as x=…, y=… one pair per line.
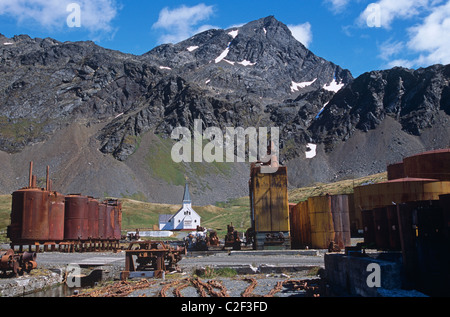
x=109, y=221
x=393, y=226
x=388, y=193
x=369, y=227
x=35, y=215
x=395, y=171
x=432, y=164
x=269, y=201
x=93, y=218
x=56, y=216
x=381, y=228
x=102, y=220
x=321, y=220
x=76, y=217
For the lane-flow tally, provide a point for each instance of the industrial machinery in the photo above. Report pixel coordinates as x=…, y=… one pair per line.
x=17, y=263
x=232, y=238
x=151, y=258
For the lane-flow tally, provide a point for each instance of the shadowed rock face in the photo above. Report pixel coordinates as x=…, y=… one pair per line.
x=256, y=75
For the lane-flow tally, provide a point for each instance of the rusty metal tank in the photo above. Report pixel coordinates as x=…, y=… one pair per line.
x=109, y=221
x=117, y=220
x=395, y=171
x=93, y=219
x=76, y=217
x=56, y=216
x=29, y=215
x=329, y=220
x=432, y=164
x=102, y=220
x=369, y=197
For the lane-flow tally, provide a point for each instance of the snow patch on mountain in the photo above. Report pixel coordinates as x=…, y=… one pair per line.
x=296, y=86
x=192, y=48
x=334, y=86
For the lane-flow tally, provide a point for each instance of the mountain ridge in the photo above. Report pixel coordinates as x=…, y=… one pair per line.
x=102, y=118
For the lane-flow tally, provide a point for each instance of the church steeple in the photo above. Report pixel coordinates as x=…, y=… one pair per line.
x=187, y=196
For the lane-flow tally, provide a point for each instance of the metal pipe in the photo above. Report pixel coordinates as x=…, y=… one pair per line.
x=47, y=183
x=30, y=175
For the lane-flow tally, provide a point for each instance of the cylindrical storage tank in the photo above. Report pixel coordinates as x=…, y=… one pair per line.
x=322, y=230
x=394, y=233
x=109, y=221
x=395, y=171
x=76, y=217
x=35, y=226
x=341, y=220
x=294, y=223
x=117, y=220
x=93, y=219
x=56, y=216
x=445, y=205
x=369, y=228
x=102, y=221
x=368, y=197
x=381, y=228
x=433, y=164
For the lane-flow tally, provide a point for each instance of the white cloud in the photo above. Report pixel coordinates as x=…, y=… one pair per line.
x=388, y=10
x=426, y=43
x=96, y=15
x=431, y=38
x=337, y=6
x=302, y=32
x=181, y=23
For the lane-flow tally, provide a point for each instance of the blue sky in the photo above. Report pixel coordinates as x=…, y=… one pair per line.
x=359, y=35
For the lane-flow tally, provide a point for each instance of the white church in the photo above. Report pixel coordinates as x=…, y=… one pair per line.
x=184, y=219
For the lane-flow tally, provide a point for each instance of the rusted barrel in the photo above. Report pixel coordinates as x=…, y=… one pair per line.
x=32, y=205
x=56, y=216
x=93, y=219
x=76, y=218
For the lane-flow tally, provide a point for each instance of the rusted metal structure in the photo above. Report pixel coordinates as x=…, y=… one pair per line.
x=321, y=220
x=151, y=258
x=269, y=208
x=232, y=239
x=42, y=217
x=16, y=263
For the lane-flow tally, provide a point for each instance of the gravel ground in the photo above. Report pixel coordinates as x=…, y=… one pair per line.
x=268, y=268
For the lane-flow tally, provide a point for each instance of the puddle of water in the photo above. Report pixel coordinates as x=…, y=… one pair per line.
x=64, y=290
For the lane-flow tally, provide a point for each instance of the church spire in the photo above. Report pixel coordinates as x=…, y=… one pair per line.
x=187, y=196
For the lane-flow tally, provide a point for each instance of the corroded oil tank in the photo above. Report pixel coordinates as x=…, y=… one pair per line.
x=299, y=226
x=29, y=215
x=117, y=220
x=56, y=216
x=76, y=217
x=93, y=219
x=432, y=164
x=369, y=197
x=102, y=220
x=109, y=221
x=329, y=220
x=395, y=171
